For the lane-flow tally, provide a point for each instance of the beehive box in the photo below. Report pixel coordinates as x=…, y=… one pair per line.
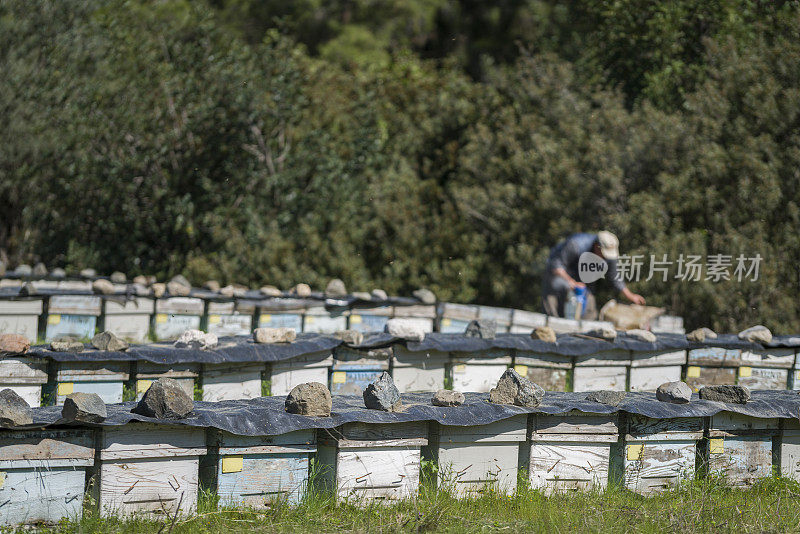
x=106, y=379
x=571, y=451
x=144, y=468
x=371, y=462
x=418, y=371
x=232, y=381
x=72, y=315
x=549, y=370
x=144, y=373
x=25, y=376
x=454, y=318
x=501, y=316
x=766, y=368
x=604, y=370
x=257, y=471
x=523, y=322
x=369, y=319
x=562, y=325
x=478, y=371
x=43, y=474
x=650, y=369
x=660, y=453
x=422, y=316
x=129, y=319
x=794, y=375
x=740, y=447
x=789, y=449
x=281, y=313
x=175, y=315
x=21, y=316
x=473, y=460
x=319, y=320
x=710, y=366
x=354, y=369
x=286, y=374
x=230, y=318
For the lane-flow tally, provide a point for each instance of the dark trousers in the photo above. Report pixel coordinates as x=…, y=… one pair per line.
x=555, y=292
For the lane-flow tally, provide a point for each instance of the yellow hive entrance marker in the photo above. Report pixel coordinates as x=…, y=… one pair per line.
x=143, y=385
x=446, y=322
x=521, y=369
x=460, y=368
x=265, y=318
x=309, y=319
x=716, y=445
x=232, y=464
x=339, y=377
x=355, y=319
x=65, y=388
x=161, y=317
x=744, y=372
x=635, y=451
x=53, y=319
x=214, y=319
x=692, y=372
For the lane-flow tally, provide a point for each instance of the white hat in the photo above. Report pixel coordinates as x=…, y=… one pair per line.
x=609, y=245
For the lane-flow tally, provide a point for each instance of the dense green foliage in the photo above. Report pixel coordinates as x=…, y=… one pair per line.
x=405, y=143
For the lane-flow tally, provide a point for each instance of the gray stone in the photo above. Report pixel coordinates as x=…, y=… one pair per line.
x=674, y=392
x=158, y=289
x=351, y=337
x=723, y=393
x=13, y=344
x=23, y=270
x=108, y=341
x=14, y=411
x=84, y=408
x=233, y=290
x=515, y=389
x=271, y=291
x=58, y=272
x=610, y=398
x=756, y=334
x=165, y=399
x=88, y=273
x=642, y=335
x=544, y=333
x=141, y=280
x=405, y=329
x=447, y=397
x=301, y=290
x=103, y=287
x=212, y=285
x=177, y=290
x=118, y=277
x=379, y=294
x=180, y=279
x=362, y=295
x=335, y=288
x=609, y=334
x=196, y=339
x=311, y=398
x=425, y=296
x=39, y=270
x=66, y=344
x=382, y=394
x=274, y=335
x=701, y=334
x=481, y=328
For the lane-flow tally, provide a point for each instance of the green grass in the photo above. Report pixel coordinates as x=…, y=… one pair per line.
x=772, y=505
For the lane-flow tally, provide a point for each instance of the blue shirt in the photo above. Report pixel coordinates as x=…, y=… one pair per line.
x=567, y=253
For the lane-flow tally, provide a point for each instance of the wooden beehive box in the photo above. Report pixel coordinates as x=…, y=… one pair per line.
x=369, y=319
x=478, y=371
x=320, y=320
x=106, y=379
x=523, y=322
x=473, y=460
x=282, y=313
x=176, y=315
x=766, y=368
x=740, y=447
x=549, y=370
x=43, y=474
x=21, y=316
x=710, y=366
x=562, y=325
x=501, y=316
x=788, y=449
x=454, y=318
x=144, y=468
x=25, y=375
x=659, y=453
x=144, y=373
x=130, y=319
x=571, y=451
x=371, y=462
x=230, y=318
x=650, y=369
x=422, y=316
x=354, y=369
x=232, y=381
x=418, y=371
x=603, y=370
x=257, y=471
x=286, y=374
x=72, y=315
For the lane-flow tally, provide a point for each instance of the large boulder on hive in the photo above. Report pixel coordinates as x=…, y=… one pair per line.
x=118, y=277
x=425, y=296
x=177, y=290
x=13, y=344
x=108, y=341
x=726, y=393
x=66, y=344
x=84, y=408
x=311, y=398
x=274, y=335
x=405, y=329
x=102, y=286
x=165, y=399
x=301, y=290
x=756, y=334
x=382, y=394
x=14, y=411
x=544, y=333
x=481, y=328
x=701, y=334
x=158, y=289
x=447, y=397
x=335, y=288
x=674, y=392
x=610, y=398
x=196, y=339
x=517, y=390
x=271, y=291
x=350, y=337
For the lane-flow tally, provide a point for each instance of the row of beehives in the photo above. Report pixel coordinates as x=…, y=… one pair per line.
x=158, y=469
x=347, y=370
x=142, y=318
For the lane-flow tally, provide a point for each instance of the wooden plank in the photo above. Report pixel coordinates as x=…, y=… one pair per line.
x=613, y=357
x=232, y=324
x=281, y=320
x=598, y=378
x=23, y=370
x=231, y=381
x=537, y=359
x=715, y=357
x=23, y=307
x=774, y=357
x=74, y=371
x=742, y=460
x=584, y=426
x=653, y=466
x=145, y=440
x=505, y=430
x=366, y=322
x=74, y=305
x=346, y=358
x=46, y=494
x=324, y=324
x=563, y=326
x=527, y=320
x=423, y=324
x=789, y=454
x=180, y=306
x=43, y=445
x=658, y=358
x=130, y=307
x=220, y=308
x=224, y=439
x=264, y=479
x=763, y=378
x=377, y=431
x=477, y=377
x=734, y=422
x=649, y=378
x=560, y=466
x=419, y=311
x=641, y=428
x=378, y=474
x=460, y=312
x=502, y=316
x=697, y=377
x=469, y=470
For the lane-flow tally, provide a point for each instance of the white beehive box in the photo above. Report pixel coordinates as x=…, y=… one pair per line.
x=740, y=447
x=789, y=449
x=145, y=468
x=422, y=316
x=562, y=325
x=766, y=368
x=319, y=320
x=230, y=318
x=550, y=370
x=650, y=369
x=25, y=376
x=603, y=370
x=130, y=319
x=708, y=366
x=145, y=373
x=21, y=317
x=571, y=451
x=232, y=381
x=175, y=315
x=72, y=315
x=286, y=374
x=363, y=462
x=501, y=316
x=478, y=371
x=106, y=379
x=369, y=319
x=454, y=318
x=523, y=322
x=473, y=460
x=418, y=371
